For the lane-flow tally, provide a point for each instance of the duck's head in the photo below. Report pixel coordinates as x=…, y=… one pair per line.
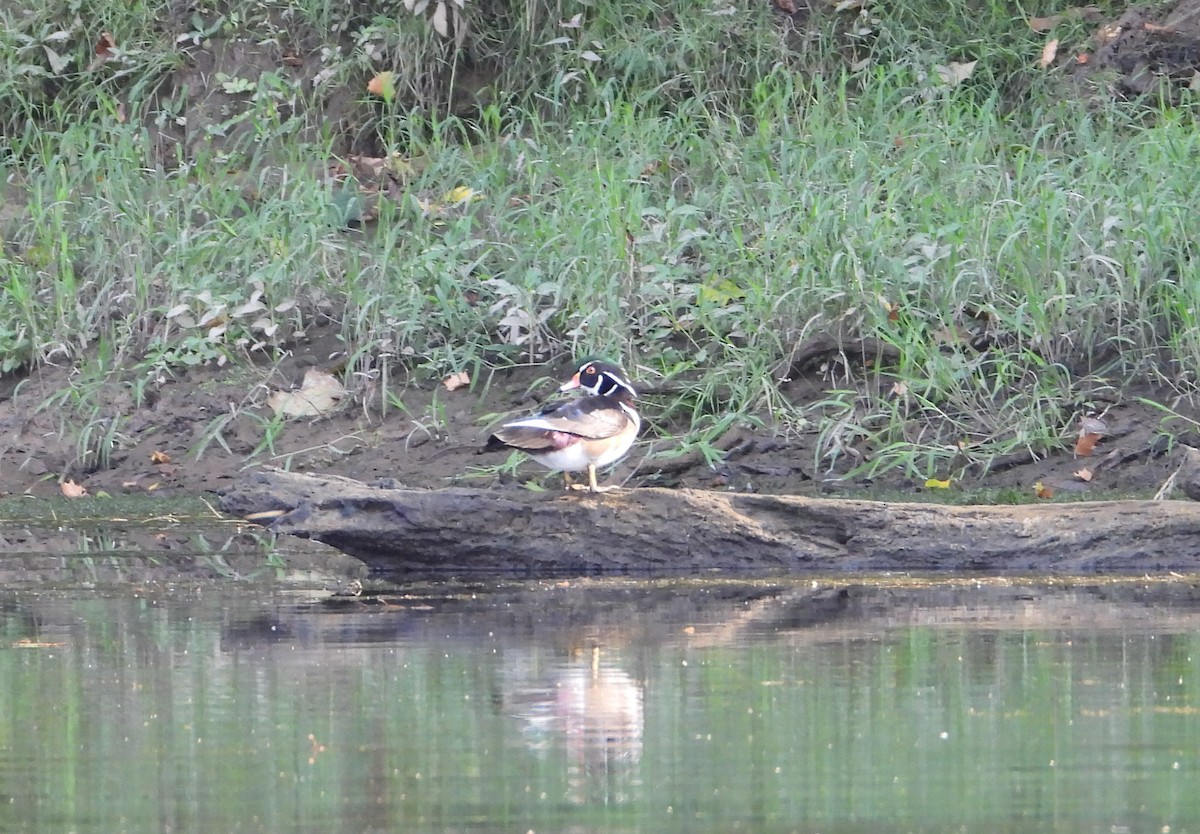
x=600, y=378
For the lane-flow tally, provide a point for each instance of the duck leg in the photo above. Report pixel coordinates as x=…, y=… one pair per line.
x=592, y=485
x=592, y=481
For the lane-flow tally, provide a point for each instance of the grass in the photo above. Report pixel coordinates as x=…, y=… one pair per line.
x=696, y=193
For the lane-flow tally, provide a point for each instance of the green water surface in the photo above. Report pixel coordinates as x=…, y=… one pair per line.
x=588, y=706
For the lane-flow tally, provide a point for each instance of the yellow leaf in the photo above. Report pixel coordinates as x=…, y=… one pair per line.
x=1043, y=491
x=937, y=483
x=462, y=194
x=722, y=293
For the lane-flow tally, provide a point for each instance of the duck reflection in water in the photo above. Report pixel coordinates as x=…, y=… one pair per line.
x=590, y=708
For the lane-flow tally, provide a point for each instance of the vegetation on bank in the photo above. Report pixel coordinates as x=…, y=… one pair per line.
x=699, y=188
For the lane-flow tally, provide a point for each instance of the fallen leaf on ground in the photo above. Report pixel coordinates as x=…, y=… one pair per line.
x=1107, y=34
x=893, y=310
x=1084, y=475
x=71, y=489
x=103, y=51
x=786, y=6
x=1044, y=24
x=457, y=380
x=319, y=394
x=955, y=73
x=383, y=85
x=158, y=457
x=937, y=483
x=1049, y=51
x=1043, y=491
x=461, y=194
x=1091, y=429
x=1086, y=444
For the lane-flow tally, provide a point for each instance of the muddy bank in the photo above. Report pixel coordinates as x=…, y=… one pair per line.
x=206, y=427
x=657, y=531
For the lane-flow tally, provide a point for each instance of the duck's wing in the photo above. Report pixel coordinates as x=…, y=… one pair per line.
x=590, y=418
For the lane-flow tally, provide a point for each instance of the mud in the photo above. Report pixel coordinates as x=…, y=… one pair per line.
x=198, y=431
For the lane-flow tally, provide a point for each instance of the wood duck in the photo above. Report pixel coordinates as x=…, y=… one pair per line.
x=584, y=433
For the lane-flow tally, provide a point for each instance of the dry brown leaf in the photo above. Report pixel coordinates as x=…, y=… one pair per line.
x=1084, y=474
x=1082, y=58
x=158, y=457
x=1044, y=24
x=786, y=6
x=1049, y=51
x=893, y=310
x=1043, y=491
x=456, y=380
x=103, y=51
x=319, y=394
x=1086, y=444
x=899, y=389
x=71, y=489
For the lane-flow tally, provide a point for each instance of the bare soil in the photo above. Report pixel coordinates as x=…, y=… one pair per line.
x=200, y=430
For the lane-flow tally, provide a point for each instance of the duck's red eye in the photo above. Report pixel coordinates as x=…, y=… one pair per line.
x=590, y=370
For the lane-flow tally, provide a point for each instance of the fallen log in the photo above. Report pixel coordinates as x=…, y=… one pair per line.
x=686, y=531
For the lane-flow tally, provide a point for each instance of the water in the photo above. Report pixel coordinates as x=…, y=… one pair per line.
x=150, y=696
